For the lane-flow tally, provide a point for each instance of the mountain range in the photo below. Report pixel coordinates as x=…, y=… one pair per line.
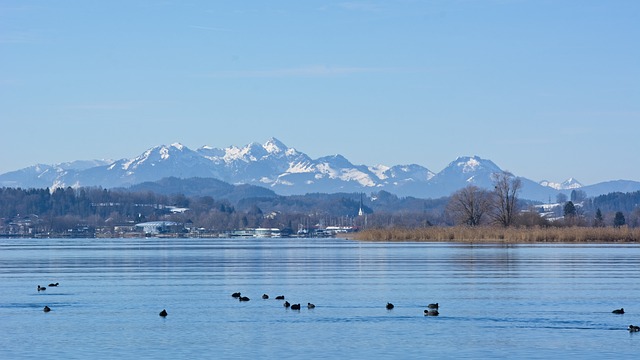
x=287, y=171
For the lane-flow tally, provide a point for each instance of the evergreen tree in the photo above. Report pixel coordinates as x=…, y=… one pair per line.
x=619, y=220
x=569, y=209
x=599, y=220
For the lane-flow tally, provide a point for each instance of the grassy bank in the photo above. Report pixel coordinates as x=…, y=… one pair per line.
x=504, y=235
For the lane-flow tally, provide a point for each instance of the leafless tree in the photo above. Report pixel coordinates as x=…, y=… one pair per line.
x=505, y=192
x=468, y=205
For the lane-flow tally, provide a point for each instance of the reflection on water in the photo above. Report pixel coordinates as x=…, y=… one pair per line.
x=525, y=301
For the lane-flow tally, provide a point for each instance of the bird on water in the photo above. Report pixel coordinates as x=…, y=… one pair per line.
x=163, y=313
x=618, y=311
x=389, y=306
x=46, y=309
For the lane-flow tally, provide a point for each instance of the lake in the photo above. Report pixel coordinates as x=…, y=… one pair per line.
x=496, y=301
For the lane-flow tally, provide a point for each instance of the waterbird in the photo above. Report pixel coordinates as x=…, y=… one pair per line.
x=286, y=304
x=431, y=313
x=54, y=285
x=295, y=307
x=280, y=297
x=163, y=313
x=618, y=311
x=243, y=298
x=433, y=306
x=235, y=295
x=46, y=309
x=634, y=328
x=389, y=306
x=265, y=296
x=310, y=306
x=41, y=288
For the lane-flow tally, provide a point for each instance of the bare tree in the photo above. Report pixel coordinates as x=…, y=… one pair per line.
x=505, y=192
x=468, y=205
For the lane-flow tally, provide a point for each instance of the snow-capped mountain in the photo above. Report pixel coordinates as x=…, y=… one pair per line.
x=568, y=184
x=286, y=171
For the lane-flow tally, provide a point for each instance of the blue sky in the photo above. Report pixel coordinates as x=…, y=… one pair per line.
x=545, y=89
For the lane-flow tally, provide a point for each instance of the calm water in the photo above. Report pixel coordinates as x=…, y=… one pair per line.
x=518, y=301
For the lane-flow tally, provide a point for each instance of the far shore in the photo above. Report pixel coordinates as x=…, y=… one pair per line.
x=513, y=235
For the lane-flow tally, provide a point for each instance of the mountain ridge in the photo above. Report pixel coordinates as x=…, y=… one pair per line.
x=287, y=171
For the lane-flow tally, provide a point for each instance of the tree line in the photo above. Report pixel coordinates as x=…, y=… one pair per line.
x=94, y=208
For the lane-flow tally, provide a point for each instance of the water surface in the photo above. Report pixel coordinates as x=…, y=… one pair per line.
x=496, y=301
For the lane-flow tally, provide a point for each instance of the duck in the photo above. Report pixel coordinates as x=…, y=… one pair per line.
x=433, y=306
x=235, y=295
x=280, y=297
x=618, y=311
x=46, y=309
x=634, y=328
x=389, y=306
x=265, y=296
x=163, y=313
x=286, y=304
x=431, y=313
x=295, y=307
x=41, y=288
x=243, y=298
x=310, y=306
x=54, y=285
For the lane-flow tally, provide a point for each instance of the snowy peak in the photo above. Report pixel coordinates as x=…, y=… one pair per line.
x=568, y=184
x=274, y=146
x=473, y=164
x=468, y=168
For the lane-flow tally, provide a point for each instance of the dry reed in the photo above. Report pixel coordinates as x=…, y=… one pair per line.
x=505, y=235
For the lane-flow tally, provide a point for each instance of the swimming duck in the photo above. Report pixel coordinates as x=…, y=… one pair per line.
x=634, y=328
x=41, y=288
x=235, y=295
x=310, y=306
x=243, y=298
x=389, y=306
x=46, y=309
x=618, y=311
x=54, y=285
x=280, y=297
x=163, y=313
x=431, y=313
x=265, y=296
x=286, y=304
x=295, y=307
x=433, y=306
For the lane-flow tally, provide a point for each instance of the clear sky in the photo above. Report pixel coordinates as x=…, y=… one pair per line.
x=547, y=89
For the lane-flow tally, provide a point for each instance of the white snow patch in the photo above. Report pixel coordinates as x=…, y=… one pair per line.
x=164, y=153
x=327, y=169
x=272, y=148
x=470, y=165
x=300, y=167
x=379, y=170
x=357, y=175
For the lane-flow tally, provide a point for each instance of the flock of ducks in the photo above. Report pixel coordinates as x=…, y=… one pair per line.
x=286, y=304
x=431, y=310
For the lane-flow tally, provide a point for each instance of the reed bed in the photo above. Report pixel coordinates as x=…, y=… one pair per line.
x=505, y=235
